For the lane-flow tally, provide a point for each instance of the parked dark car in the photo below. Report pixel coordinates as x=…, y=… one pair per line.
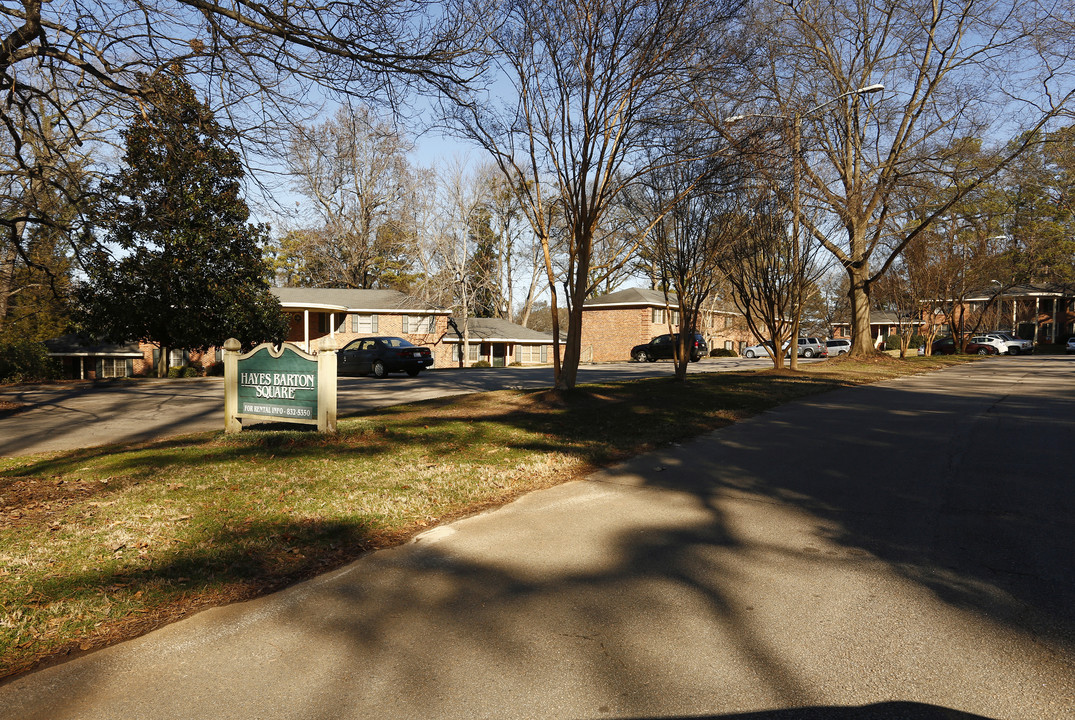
x=382, y=355
x=947, y=346
x=663, y=347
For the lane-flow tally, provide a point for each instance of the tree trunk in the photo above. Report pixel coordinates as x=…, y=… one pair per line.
x=569, y=369
x=8, y=257
x=859, y=295
x=162, y=362
x=682, y=354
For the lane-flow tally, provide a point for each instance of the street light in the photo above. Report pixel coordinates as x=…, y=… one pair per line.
x=796, y=164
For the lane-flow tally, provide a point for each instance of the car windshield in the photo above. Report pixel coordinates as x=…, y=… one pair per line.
x=396, y=342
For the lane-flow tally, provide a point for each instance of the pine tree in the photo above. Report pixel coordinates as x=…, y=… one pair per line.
x=189, y=272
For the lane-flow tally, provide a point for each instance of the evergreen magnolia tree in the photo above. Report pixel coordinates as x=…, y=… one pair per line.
x=190, y=272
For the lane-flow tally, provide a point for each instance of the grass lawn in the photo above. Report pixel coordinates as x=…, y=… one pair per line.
x=103, y=544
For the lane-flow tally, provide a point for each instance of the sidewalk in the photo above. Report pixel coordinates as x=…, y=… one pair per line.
x=756, y=569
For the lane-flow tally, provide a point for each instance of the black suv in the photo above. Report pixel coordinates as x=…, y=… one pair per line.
x=663, y=347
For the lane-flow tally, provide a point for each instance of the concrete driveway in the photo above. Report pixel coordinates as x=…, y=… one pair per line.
x=897, y=551
x=77, y=415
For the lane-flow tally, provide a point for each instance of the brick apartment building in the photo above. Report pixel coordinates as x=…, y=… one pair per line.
x=614, y=323
x=341, y=313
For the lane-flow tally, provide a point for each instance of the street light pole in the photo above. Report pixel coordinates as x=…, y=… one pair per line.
x=797, y=281
x=796, y=164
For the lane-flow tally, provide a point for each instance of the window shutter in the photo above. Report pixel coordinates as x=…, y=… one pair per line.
x=130, y=367
x=99, y=368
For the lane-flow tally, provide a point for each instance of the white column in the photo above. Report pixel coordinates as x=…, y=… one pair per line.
x=306, y=330
x=1056, y=304
x=1037, y=314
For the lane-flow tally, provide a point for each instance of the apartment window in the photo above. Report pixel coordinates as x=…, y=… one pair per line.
x=113, y=367
x=729, y=345
x=177, y=358
x=675, y=317
x=364, y=324
x=419, y=324
x=657, y=316
x=473, y=352
x=534, y=353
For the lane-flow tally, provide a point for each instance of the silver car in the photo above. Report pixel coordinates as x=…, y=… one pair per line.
x=838, y=346
x=812, y=347
x=764, y=349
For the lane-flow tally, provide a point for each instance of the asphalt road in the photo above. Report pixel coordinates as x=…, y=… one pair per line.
x=78, y=415
x=896, y=551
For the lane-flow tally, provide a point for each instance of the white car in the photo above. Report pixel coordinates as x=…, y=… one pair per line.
x=838, y=346
x=993, y=340
x=765, y=349
x=1011, y=345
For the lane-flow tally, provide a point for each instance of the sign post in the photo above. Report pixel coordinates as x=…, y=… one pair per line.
x=281, y=384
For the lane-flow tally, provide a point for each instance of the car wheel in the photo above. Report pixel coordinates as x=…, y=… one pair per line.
x=983, y=351
x=1013, y=351
x=641, y=356
x=808, y=353
x=379, y=370
x=749, y=354
x=413, y=373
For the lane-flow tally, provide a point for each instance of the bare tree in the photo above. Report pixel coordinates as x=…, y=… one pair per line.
x=950, y=70
x=462, y=204
x=692, y=239
x=762, y=266
x=588, y=85
x=70, y=71
x=355, y=172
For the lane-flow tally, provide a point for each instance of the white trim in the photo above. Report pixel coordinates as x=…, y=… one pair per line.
x=637, y=304
x=518, y=341
x=127, y=355
x=312, y=306
x=297, y=306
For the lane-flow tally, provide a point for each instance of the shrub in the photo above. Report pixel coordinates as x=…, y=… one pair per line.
x=892, y=342
x=175, y=372
x=216, y=369
x=191, y=371
x=24, y=360
x=481, y=363
x=723, y=352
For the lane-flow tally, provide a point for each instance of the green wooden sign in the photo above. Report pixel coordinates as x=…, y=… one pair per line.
x=280, y=383
x=283, y=387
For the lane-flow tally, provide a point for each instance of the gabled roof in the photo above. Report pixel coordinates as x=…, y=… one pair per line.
x=353, y=301
x=633, y=297
x=1023, y=290
x=500, y=330
x=75, y=345
x=878, y=317
x=644, y=297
